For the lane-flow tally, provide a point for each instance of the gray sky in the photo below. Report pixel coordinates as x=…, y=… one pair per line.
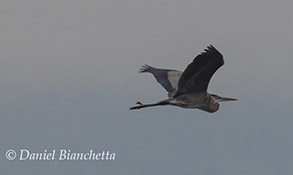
x=68, y=74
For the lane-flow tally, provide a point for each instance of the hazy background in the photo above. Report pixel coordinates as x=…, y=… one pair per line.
x=68, y=74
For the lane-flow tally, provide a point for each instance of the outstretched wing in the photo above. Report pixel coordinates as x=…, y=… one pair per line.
x=197, y=75
x=166, y=77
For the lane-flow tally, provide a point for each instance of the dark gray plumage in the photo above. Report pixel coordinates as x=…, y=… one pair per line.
x=197, y=75
x=188, y=89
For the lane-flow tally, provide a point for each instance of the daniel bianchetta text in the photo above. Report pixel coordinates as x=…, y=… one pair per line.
x=66, y=155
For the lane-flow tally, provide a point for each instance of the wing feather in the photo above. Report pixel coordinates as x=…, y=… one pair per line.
x=166, y=77
x=197, y=75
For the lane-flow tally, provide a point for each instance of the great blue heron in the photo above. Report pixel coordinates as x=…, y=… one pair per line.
x=188, y=89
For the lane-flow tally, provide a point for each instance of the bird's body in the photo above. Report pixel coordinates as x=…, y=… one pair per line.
x=188, y=89
x=198, y=100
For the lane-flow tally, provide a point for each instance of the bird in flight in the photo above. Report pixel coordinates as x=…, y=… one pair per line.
x=188, y=89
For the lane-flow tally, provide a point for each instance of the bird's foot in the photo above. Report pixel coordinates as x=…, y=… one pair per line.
x=140, y=104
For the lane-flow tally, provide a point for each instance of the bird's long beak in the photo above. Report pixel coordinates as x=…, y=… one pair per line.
x=223, y=99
